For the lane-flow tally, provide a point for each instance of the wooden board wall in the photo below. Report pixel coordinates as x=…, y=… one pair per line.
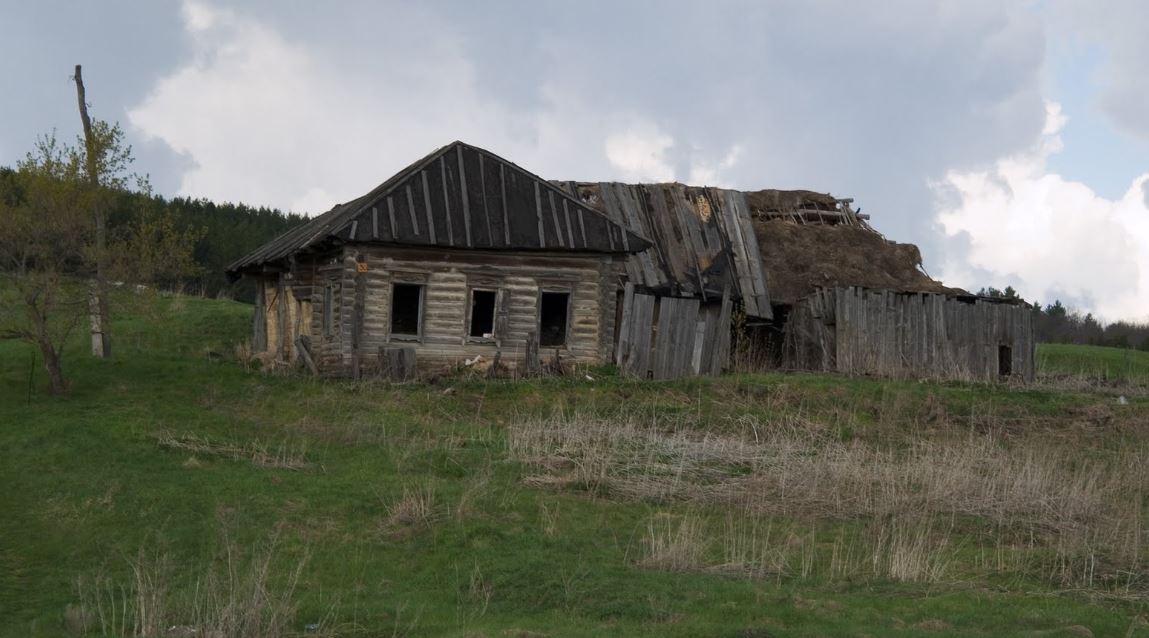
x=672, y=337
x=860, y=331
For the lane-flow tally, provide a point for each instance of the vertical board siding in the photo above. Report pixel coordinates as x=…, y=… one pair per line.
x=858, y=331
x=687, y=338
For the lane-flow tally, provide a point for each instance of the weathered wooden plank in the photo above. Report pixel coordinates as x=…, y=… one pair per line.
x=446, y=201
x=486, y=201
x=506, y=221
x=539, y=214
x=637, y=360
x=567, y=217
x=428, y=209
x=625, y=327
x=303, y=348
x=411, y=208
x=466, y=199
x=555, y=219
x=259, y=319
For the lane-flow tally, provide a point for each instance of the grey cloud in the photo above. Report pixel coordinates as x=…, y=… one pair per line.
x=860, y=99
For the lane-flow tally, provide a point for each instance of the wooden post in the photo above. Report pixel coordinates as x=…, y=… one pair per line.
x=532, y=352
x=97, y=291
x=281, y=347
x=397, y=363
x=259, y=321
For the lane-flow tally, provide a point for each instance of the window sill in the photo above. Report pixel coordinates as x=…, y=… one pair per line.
x=405, y=339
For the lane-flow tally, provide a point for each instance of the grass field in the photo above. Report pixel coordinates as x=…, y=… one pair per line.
x=1098, y=363
x=175, y=487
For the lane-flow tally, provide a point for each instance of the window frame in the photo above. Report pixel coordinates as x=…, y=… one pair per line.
x=405, y=337
x=469, y=321
x=554, y=289
x=329, y=320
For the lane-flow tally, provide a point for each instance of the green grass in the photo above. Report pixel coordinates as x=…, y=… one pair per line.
x=87, y=483
x=1094, y=362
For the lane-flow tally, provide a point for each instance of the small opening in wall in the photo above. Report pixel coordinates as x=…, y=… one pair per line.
x=329, y=310
x=406, y=309
x=482, y=314
x=1004, y=361
x=553, y=318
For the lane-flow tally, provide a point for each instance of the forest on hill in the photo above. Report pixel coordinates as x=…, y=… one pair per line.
x=224, y=231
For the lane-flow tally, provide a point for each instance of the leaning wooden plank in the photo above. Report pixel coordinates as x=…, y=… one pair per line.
x=303, y=348
x=624, y=328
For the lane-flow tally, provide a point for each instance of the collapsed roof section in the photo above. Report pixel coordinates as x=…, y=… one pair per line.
x=767, y=246
x=459, y=196
x=703, y=239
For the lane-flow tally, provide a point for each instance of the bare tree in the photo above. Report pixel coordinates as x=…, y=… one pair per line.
x=97, y=299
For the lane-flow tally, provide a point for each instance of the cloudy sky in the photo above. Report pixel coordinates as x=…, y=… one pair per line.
x=1010, y=140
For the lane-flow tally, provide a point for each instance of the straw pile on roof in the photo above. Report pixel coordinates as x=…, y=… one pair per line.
x=802, y=257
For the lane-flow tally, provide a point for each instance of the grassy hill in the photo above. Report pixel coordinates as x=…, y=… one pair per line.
x=175, y=487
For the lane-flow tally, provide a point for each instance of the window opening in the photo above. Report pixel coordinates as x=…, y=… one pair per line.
x=406, y=309
x=482, y=314
x=1004, y=361
x=553, y=318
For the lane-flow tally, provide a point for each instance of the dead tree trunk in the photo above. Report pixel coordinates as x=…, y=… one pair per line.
x=97, y=291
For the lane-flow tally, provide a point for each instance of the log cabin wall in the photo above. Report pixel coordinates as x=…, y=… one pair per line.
x=859, y=331
x=360, y=289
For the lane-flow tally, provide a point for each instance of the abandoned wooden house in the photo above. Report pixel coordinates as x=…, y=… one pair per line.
x=460, y=255
x=464, y=254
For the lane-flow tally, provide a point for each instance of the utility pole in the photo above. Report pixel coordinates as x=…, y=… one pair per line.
x=97, y=291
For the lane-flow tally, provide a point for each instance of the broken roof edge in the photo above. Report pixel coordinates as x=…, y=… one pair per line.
x=951, y=293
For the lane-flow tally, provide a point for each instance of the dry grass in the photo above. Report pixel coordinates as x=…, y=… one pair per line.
x=1080, y=506
x=415, y=509
x=284, y=456
x=241, y=595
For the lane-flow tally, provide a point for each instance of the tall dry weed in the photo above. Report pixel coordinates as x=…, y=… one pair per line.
x=1082, y=504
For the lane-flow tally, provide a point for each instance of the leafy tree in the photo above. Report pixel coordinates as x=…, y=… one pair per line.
x=48, y=239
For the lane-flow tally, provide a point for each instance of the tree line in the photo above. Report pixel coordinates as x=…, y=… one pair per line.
x=1056, y=323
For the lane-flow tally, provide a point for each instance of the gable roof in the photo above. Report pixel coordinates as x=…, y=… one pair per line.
x=459, y=196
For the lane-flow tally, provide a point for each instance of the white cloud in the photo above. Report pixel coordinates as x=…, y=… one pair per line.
x=269, y=121
x=1045, y=235
x=639, y=154
x=704, y=173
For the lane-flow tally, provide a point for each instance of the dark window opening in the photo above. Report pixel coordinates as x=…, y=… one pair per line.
x=482, y=314
x=553, y=318
x=406, y=309
x=329, y=310
x=1004, y=361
